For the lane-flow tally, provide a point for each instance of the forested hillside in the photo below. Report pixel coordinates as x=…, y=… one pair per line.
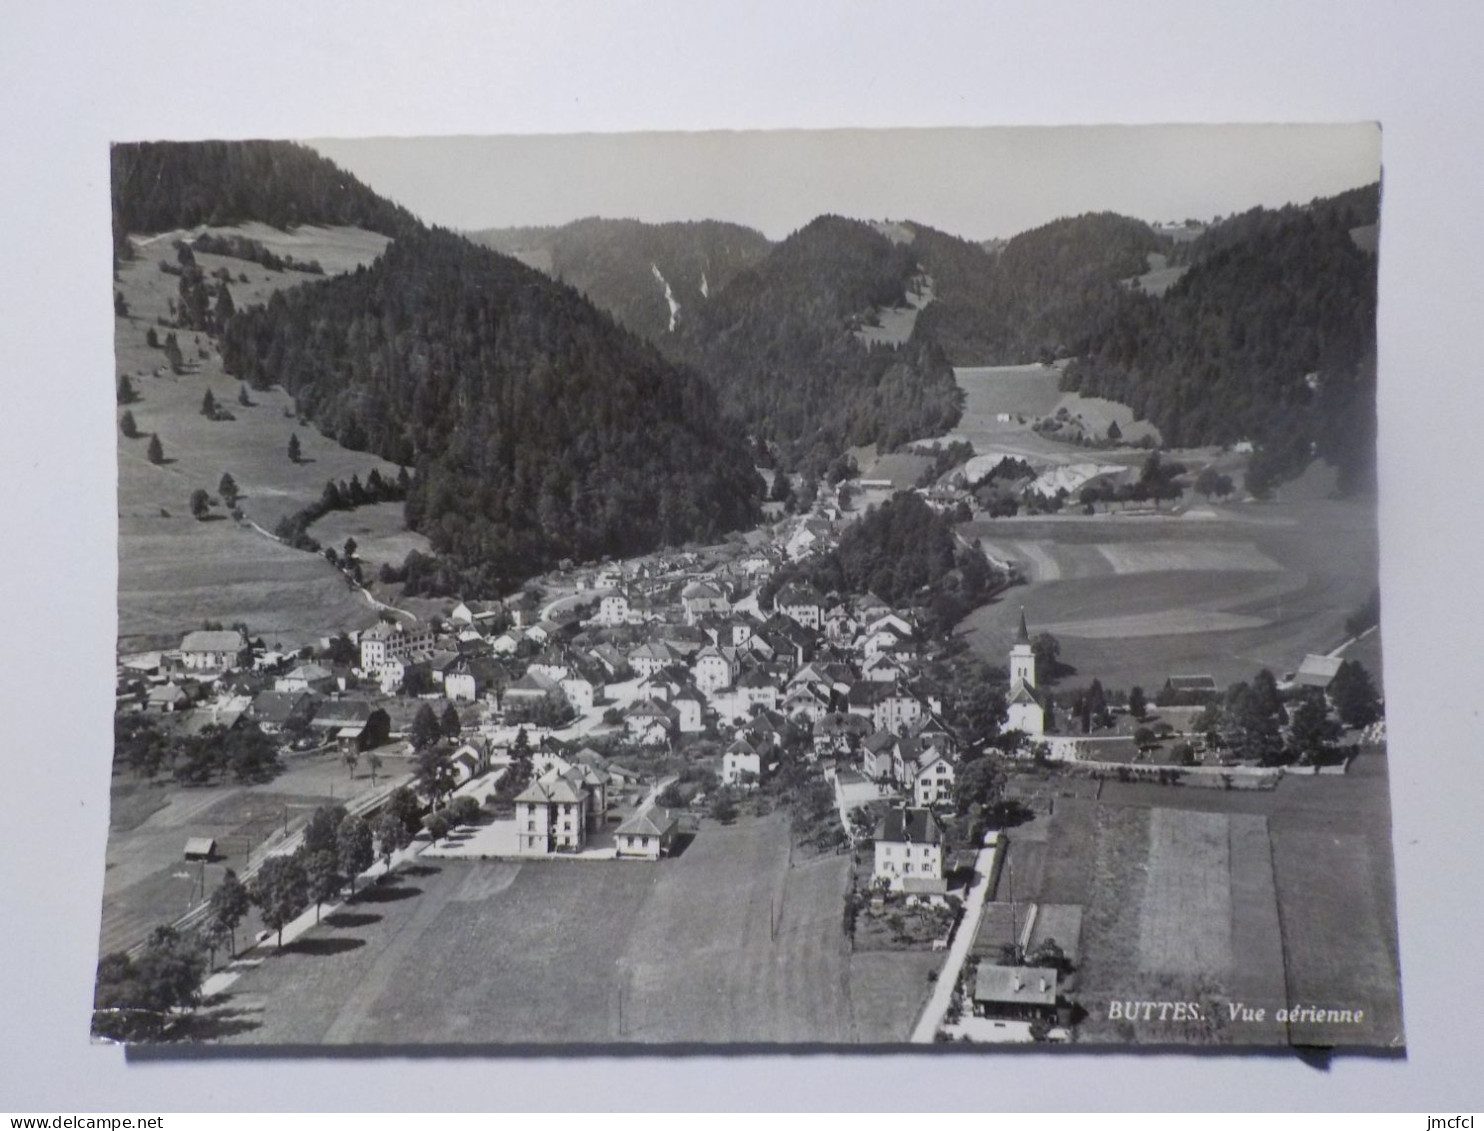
x=778, y=346
x=1270, y=336
x=538, y=428
x=1045, y=294
x=161, y=186
x=624, y=266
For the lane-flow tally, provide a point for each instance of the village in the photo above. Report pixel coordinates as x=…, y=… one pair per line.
x=610, y=711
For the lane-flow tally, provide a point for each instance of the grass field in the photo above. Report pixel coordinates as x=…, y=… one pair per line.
x=146, y=882
x=1307, y=877
x=1175, y=906
x=175, y=572
x=381, y=534
x=1253, y=586
x=725, y=943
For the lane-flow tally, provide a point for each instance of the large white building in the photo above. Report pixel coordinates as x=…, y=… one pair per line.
x=383, y=642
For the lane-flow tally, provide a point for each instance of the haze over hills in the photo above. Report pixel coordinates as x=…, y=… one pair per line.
x=650, y=277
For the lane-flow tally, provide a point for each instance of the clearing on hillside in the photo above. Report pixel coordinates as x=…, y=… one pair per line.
x=175, y=570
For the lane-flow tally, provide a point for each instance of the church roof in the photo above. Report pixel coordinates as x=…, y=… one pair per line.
x=1023, y=636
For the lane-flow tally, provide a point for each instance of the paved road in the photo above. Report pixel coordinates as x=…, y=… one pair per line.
x=937, y=1006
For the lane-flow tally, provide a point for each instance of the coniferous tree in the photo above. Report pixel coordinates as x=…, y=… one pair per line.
x=208, y=405
x=294, y=451
x=156, y=451
x=227, y=489
x=127, y=425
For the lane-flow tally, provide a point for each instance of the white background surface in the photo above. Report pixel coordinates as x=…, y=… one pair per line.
x=74, y=76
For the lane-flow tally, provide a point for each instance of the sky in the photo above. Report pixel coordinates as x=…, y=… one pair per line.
x=979, y=184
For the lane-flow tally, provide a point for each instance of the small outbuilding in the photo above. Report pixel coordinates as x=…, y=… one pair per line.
x=200, y=848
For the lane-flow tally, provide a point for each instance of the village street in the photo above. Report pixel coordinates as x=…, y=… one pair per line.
x=963, y=939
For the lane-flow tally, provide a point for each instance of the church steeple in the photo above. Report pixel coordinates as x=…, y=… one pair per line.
x=1024, y=636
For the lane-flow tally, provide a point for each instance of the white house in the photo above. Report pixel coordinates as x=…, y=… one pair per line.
x=647, y=835
x=801, y=604
x=909, y=851
x=742, y=757
x=932, y=779
x=714, y=668
x=613, y=609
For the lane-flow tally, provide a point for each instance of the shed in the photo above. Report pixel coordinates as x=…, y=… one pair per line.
x=1317, y=671
x=200, y=848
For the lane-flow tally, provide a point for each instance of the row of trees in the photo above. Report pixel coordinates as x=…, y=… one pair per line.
x=344, y=495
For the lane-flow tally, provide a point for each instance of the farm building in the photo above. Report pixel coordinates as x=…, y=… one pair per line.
x=213, y=650
x=1317, y=671
x=1020, y=993
x=200, y=848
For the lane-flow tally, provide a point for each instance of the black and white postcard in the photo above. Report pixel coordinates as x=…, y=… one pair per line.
x=841, y=588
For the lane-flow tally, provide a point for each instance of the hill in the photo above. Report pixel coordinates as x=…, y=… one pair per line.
x=649, y=277
x=1269, y=336
x=166, y=185
x=779, y=346
x=1040, y=296
x=539, y=429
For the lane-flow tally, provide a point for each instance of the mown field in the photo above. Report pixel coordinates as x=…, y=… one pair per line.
x=1177, y=906
x=175, y=571
x=1133, y=600
x=725, y=943
x=1326, y=854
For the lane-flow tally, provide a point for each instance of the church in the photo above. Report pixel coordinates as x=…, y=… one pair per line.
x=1024, y=707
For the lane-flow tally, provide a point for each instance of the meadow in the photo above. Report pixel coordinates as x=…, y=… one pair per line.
x=176, y=571
x=724, y=943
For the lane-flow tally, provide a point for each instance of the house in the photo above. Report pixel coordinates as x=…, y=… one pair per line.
x=209, y=650
x=701, y=598
x=909, y=847
x=461, y=684
x=806, y=702
x=648, y=834
x=1015, y=993
x=1317, y=671
x=931, y=778
x=1189, y=688
x=167, y=697
x=714, y=668
x=879, y=755
x=551, y=815
x=649, y=724
x=742, y=763
x=532, y=687
x=837, y=733
x=579, y=692
x=690, y=711
x=802, y=604
x=275, y=710
x=505, y=644
x=758, y=688
x=385, y=641
x=307, y=677
x=613, y=609
x=647, y=659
